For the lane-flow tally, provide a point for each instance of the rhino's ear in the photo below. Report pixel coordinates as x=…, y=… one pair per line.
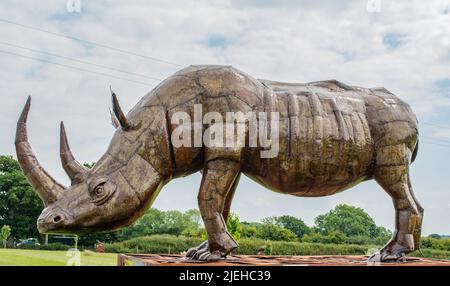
x=119, y=115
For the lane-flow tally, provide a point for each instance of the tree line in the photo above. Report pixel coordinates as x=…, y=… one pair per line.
x=343, y=224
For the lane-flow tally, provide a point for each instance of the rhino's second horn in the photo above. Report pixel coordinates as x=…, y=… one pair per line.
x=76, y=172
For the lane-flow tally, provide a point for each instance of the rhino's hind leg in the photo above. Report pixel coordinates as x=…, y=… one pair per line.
x=218, y=180
x=392, y=173
x=418, y=229
x=204, y=246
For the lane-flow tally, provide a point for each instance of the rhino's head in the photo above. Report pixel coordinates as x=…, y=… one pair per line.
x=99, y=199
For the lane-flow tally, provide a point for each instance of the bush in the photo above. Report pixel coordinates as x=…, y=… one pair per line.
x=194, y=232
x=337, y=237
x=364, y=240
x=154, y=244
x=50, y=246
x=249, y=231
x=296, y=225
x=234, y=226
x=270, y=231
x=252, y=246
x=432, y=253
x=435, y=243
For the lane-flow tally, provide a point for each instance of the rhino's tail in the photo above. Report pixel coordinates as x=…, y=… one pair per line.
x=416, y=149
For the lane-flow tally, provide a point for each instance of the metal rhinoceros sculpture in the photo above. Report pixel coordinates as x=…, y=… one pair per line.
x=331, y=137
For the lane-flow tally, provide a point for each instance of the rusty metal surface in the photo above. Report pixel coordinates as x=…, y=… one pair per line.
x=331, y=137
x=262, y=260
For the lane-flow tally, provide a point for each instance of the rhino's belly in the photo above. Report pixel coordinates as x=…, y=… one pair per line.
x=325, y=146
x=326, y=170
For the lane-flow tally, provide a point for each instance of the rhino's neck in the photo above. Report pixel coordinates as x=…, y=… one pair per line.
x=154, y=143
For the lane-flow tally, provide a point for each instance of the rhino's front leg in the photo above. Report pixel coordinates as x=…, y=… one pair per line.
x=218, y=179
x=204, y=246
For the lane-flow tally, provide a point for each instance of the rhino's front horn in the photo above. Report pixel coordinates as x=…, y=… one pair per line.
x=46, y=187
x=75, y=171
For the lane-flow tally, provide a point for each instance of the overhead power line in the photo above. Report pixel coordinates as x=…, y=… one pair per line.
x=434, y=143
x=435, y=125
x=79, y=61
x=436, y=139
x=74, y=68
x=89, y=42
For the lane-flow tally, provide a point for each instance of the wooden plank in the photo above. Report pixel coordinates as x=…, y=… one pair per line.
x=263, y=260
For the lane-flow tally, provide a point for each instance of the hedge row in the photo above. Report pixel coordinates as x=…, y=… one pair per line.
x=179, y=244
x=154, y=244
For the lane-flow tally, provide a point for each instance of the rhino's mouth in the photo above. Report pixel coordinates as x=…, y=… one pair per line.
x=54, y=219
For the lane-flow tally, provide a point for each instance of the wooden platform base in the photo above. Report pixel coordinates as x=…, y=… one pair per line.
x=261, y=260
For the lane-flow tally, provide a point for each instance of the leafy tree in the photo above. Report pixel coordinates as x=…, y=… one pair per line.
x=350, y=221
x=8, y=164
x=313, y=237
x=250, y=229
x=381, y=232
x=174, y=222
x=194, y=232
x=335, y=237
x=89, y=165
x=195, y=216
x=5, y=232
x=148, y=224
x=234, y=226
x=194, y=227
x=19, y=204
x=297, y=226
x=163, y=222
x=270, y=231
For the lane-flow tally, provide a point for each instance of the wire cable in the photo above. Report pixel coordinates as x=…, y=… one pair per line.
x=75, y=68
x=436, y=139
x=436, y=144
x=435, y=125
x=89, y=42
x=79, y=61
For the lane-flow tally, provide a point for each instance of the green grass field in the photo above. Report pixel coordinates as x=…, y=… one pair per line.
x=24, y=257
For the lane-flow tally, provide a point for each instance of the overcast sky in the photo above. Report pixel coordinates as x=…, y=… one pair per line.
x=401, y=45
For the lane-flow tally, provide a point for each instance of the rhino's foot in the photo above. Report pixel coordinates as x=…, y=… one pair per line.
x=392, y=252
x=198, y=249
x=206, y=255
x=202, y=252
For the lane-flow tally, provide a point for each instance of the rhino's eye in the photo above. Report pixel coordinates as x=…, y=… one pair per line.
x=101, y=193
x=98, y=190
x=101, y=190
